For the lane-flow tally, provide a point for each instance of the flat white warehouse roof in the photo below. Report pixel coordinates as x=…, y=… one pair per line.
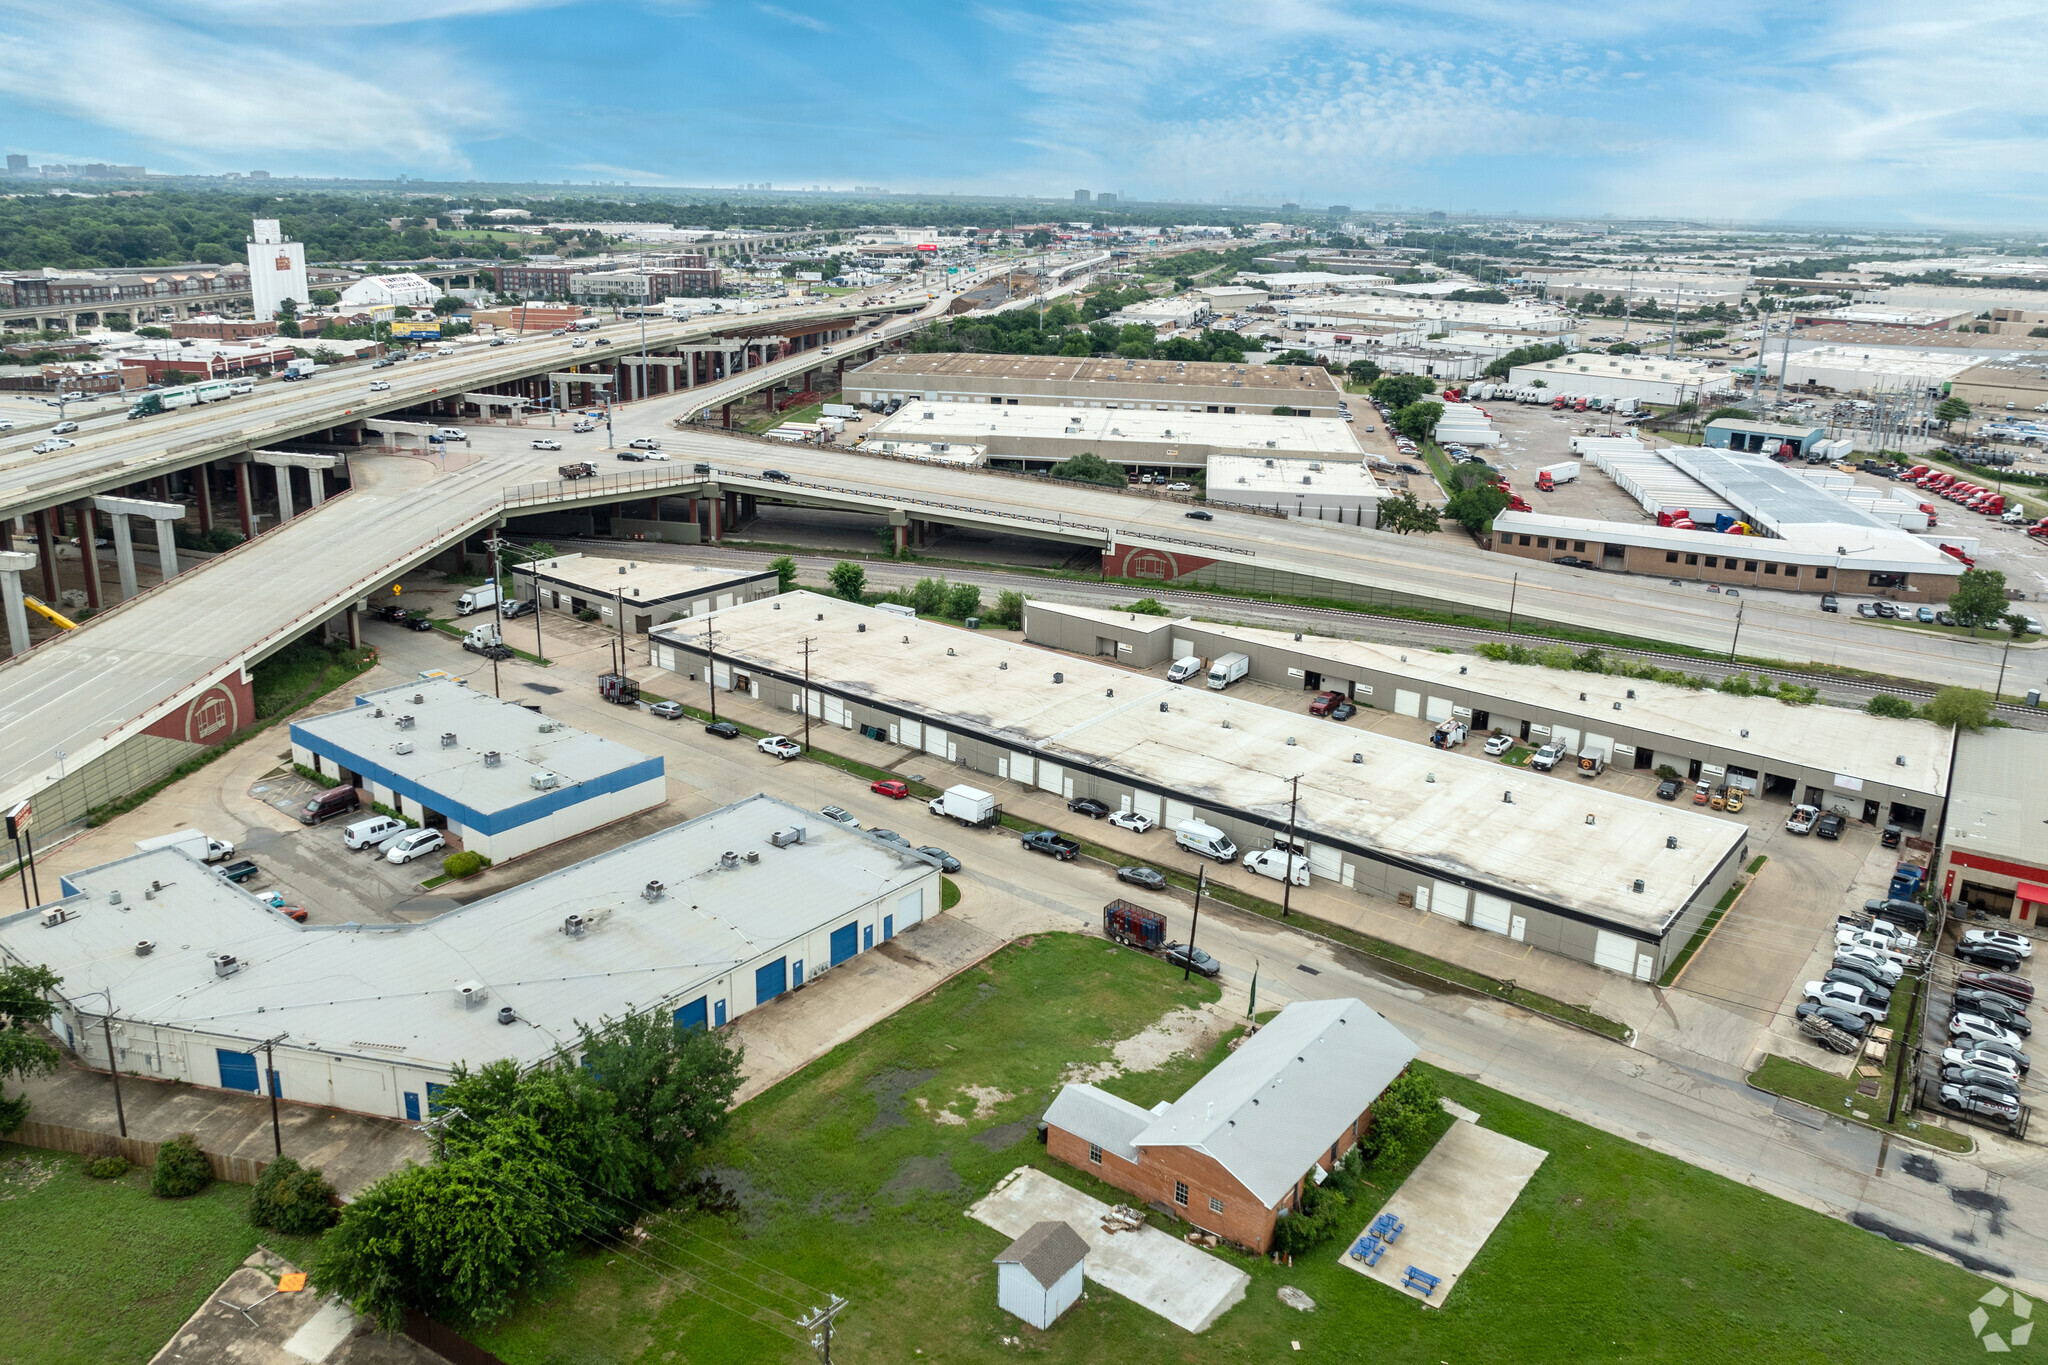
x=1104, y=429
x=1268, y=482
x=392, y=992
x=640, y=582
x=1435, y=810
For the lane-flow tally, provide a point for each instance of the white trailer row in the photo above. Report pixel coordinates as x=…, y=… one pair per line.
x=1886, y=505
x=1656, y=486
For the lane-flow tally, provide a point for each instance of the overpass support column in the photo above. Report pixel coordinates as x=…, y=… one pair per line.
x=316, y=485
x=166, y=548
x=284, y=493
x=726, y=414
x=46, y=553
x=717, y=526
x=355, y=628
x=124, y=555
x=13, y=564
x=89, y=555
x=243, y=499
x=202, y=487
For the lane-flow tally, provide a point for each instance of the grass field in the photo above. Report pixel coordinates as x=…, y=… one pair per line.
x=846, y=1178
x=101, y=1272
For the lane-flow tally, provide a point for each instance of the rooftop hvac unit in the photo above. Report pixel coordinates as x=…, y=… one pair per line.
x=1306, y=479
x=52, y=917
x=473, y=993
x=447, y=739
x=144, y=947
x=752, y=856
x=508, y=1015
x=405, y=722
x=651, y=892
x=377, y=714
x=622, y=570
x=403, y=746
x=548, y=727
x=492, y=759
x=225, y=964
x=728, y=859
x=783, y=838
x=544, y=782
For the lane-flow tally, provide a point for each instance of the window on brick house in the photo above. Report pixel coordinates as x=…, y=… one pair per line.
x=1215, y=1204
x=1095, y=1154
x=1671, y=556
x=1771, y=569
x=1180, y=1194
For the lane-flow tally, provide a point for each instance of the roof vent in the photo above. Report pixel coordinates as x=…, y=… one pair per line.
x=1589, y=817
x=1059, y=677
x=473, y=993
x=508, y=1015
x=377, y=714
x=1297, y=636
x=1162, y=707
x=419, y=698
x=1637, y=886
x=404, y=746
x=1290, y=741
x=860, y=628
x=622, y=570
x=1226, y=725
x=1632, y=697
x=1461, y=667
x=1900, y=760
x=405, y=722
x=492, y=759
x=225, y=964
x=1004, y=664
x=1507, y=798
x=1671, y=841
x=1617, y=706
x=949, y=651
x=1582, y=696
x=144, y=947
x=1745, y=733
x=447, y=739
x=906, y=639
x=1429, y=777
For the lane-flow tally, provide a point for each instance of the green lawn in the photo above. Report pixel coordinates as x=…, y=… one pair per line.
x=844, y=1180
x=101, y=1272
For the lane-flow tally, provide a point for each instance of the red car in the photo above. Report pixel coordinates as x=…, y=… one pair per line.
x=890, y=788
x=295, y=913
x=1323, y=702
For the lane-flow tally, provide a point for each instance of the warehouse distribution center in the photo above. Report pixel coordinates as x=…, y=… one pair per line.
x=1597, y=876
x=703, y=921
x=1316, y=490
x=1645, y=378
x=1876, y=769
x=648, y=592
x=504, y=779
x=1075, y=382
x=1993, y=855
x=1039, y=437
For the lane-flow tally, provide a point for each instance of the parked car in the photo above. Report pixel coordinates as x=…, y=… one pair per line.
x=419, y=620
x=1323, y=702
x=371, y=832
x=779, y=746
x=1993, y=956
x=1668, y=789
x=1574, y=562
x=1132, y=821
x=1546, y=758
x=240, y=871
x=2000, y=1011
x=1867, y=610
x=890, y=788
x=2000, y=938
x=1052, y=842
x=1342, y=711
x=1990, y=1104
x=1976, y=1028
x=666, y=710
x=417, y=843
x=1869, y=961
x=1877, y=991
x=1181, y=955
x=1496, y=745
x=1989, y=1054
x=947, y=862
x=1088, y=806
x=1150, y=878
x=2017, y=987
x=724, y=729
x=1829, y=602
x=1843, y=996
x=839, y=815
x=1925, y=615
x=546, y=443
x=1802, y=819
x=1855, y=1025
x=517, y=607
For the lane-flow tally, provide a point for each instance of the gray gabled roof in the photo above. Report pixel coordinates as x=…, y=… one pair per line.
x=1048, y=1250
x=1099, y=1117
x=1276, y=1104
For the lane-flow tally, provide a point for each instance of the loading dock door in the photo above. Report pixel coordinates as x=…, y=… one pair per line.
x=1448, y=900
x=1490, y=913
x=1565, y=735
x=1439, y=709
x=1616, y=952
x=1407, y=703
x=1325, y=862
x=1051, y=777
x=845, y=941
x=771, y=980
x=695, y=1014
x=1177, y=811
x=237, y=1070
x=1146, y=804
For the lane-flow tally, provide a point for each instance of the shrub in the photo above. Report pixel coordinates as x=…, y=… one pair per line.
x=1403, y=1118
x=1007, y=613
x=464, y=864
x=1149, y=606
x=107, y=1168
x=293, y=1199
x=181, y=1169
x=963, y=600
x=586, y=614
x=1885, y=704
x=1319, y=1217
x=1666, y=773
x=316, y=778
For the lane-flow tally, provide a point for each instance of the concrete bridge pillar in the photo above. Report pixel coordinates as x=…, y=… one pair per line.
x=88, y=531
x=355, y=628
x=316, y=486
x=243, y=499
x=166, y=515
x=13, y=564
x=202, y=487
x=46, y=553
x=284, y=493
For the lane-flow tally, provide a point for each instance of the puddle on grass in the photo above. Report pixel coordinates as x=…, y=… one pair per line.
x=921, y=1174
x=888, y=1089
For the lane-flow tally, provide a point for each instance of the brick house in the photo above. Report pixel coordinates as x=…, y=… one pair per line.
x=1232, y=1154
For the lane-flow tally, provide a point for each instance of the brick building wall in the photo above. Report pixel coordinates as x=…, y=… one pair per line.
x=1751, y=566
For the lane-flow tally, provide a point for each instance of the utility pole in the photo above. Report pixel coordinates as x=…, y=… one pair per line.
x=710, y=667
x=819, y=1323
x=807, y=691
x=1201, y=885
x=1738, y=630
x=270, y=1084
x=107, y=1029
x=1287, y=882
x=1514, y=590
x=1998, y=692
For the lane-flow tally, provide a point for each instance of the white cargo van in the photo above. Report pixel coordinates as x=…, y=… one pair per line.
x=1228, y=670
x=1183, y=669
x=1205, y=839
x=371, y=832
x=1275, y=863
x=204, y=847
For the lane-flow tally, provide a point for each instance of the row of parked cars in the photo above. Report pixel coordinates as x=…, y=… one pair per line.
x=1983, y=1065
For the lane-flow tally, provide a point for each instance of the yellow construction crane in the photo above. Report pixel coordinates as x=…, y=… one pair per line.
x=55, y=618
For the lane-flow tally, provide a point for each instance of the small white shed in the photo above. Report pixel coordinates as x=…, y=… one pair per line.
x=1038, y=1276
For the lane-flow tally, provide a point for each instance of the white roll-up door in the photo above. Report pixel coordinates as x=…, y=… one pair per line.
x=1448, y=900
x=1616, y=952
x=1599, y=746
x=721, y=676
x=1407, y=703
x=1325, y=862
x=835, y=711
x=1176, y=812
x=1491, y=913
x=1439, y=709
x=1147, y=805
x=817, y=706
x=1021, y=768
x=1565, y=735
x=1050, y=778
x=935, y=740
x=911, y=733
x=1182, y=648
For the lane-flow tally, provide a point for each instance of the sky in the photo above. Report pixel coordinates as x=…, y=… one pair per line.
x=1874, y=112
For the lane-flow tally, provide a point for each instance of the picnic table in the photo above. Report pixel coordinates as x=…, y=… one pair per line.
x=1414, y=1278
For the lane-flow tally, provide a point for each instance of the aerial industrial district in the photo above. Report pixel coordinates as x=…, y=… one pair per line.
x=1148, y=792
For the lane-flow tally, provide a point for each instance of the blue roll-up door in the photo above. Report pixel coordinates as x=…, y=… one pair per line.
x=771, y=980
x=237, y=1070
x=696, y=1014
x=845, y=941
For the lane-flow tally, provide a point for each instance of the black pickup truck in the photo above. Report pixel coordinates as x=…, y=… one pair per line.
x=1053, y=842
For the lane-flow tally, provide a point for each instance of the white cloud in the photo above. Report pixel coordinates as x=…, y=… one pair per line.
x=792, y=17
x=361, y=13
x=198, y=97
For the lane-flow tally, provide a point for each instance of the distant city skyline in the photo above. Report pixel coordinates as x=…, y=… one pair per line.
x=1877, y=113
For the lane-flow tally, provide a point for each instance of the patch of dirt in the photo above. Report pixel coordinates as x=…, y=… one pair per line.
x=839, y=1206
x=985, y=1097
x=1006, y=1134
x=921, y=1174
x=23, y=1175
x=888, y=1089
x=1178, y=1033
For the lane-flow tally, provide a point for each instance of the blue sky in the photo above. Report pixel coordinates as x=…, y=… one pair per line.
x=1870, y=112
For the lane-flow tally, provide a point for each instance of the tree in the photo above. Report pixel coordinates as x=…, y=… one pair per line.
x=324, y=298
x=785, y=572
x=927, y=596
x=1417, y=421
x=1402, y=514
x=292, y=1199
x=24, y=1006
x=1088, y=467
x=1149, y=606
x=447, y=304
x=1474, y=508
x=288, y=307
x=962, y=601
x=1885, y=704
x=1404, y=1118
x=849, y=580
x=1979, y=598
x=174, y=377
x=1963, y=707
x=402, y=311
x=1007, y=613
x=1399, y=390
x=1283, y=411
x=1951, y=410
x=153, y=333
x=1362, y=371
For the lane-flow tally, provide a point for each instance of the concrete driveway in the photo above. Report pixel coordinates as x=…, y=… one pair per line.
x=1181, y=1283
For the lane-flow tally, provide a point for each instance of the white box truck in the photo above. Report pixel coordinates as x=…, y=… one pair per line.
x=476, y=599
x=1228, y=670
x=840, y=410
x=1205, y=839
x=201, y=846
x=968, y=805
